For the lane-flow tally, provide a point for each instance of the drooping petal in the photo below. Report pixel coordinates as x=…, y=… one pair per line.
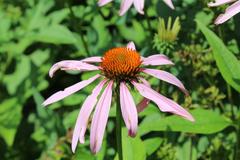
x=167, y=77
x=230, y=12
x=142, y=104
x=139, y=5
x=164, y=104
x=219, y=2
x=129, y=110
x=83, y=116
x=125, y=5
x=71, y=65
x=100, y=117
x=144, y=81
x=157, y=59
x=103, y=2
x=169, y=3
x=95, y=59
x=131, y=46
x=70, y=90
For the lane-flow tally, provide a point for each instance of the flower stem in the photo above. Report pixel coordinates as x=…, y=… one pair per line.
x=229, y=94
x=237, y=152
x=119, y=126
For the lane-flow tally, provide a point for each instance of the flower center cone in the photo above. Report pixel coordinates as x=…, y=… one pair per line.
x=121, y=64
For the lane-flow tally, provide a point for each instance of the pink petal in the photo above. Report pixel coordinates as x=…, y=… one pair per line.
x=71, y=65
x=139, y=5
x=95, y=59
x=103, y=2
x=164, y=104
x=144, y=81
x=70, y=90
x=157, y=59
x=167, y=77
x=169, y=3
x=83, y=116
x=230, y=12
x=131, y=46
x=125, y=5
x=142, y=104
x=219, y=2
x=100, y=118
x=129, y=111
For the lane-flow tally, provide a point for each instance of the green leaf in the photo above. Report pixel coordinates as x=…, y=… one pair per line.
x=4, y=28
x=82, y=153
x=41, y=111
x=203, y=144
x=135, y=33
x=152, y=144
x=186, y=150
x=56, y=34
x=58, y=16
x=206, y=122
x=10, y=116
x=36, y=14
x=149, y=110
x=133, y=148
x=38, y=57
x=102, y=37
x=227, y=63
x=206, y=16
x=74, y=99
x=70, y=119
x=23, y=69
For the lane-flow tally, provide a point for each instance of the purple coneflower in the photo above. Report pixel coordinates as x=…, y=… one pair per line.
x=138, y=4
x=120, y=67
x=229, y=12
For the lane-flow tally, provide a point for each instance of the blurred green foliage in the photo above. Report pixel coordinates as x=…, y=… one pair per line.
x=35, y=34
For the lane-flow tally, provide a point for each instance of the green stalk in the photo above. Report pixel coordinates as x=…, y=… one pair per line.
x=119, y=125
x=229, y=94
x=237, y=152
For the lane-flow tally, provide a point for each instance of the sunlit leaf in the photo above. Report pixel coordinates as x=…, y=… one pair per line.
x=206, y=122
x=133, y=148
x=227, y=63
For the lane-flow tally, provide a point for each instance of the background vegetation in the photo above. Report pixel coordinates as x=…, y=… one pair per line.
x=35, y=34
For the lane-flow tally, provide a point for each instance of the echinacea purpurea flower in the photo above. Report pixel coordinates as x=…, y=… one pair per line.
x=119, y=66
x=138, y=4
x=231, y=11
